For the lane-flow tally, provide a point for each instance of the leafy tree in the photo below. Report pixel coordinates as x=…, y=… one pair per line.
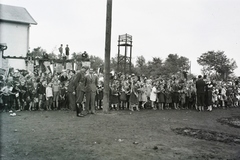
x=155, y=67
x=141, y=67
x=113, y=63
x=217, y=62
x=52, y=56
x=175, y=64
x=77, y=56
x=96, y=62
x=140, y=62
x=37, y=52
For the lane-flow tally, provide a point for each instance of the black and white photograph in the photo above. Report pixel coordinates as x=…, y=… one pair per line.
x=119, y=79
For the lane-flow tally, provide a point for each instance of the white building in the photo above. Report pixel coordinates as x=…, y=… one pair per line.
x=15, y=25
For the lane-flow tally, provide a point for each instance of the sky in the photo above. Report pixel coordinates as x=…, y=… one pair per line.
x=158, y=27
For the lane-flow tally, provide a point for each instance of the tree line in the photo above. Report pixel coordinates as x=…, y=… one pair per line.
x=215, y=64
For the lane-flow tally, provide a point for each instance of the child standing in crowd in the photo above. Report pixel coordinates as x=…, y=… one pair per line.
x=143, y=90
x=6, y=92
x=148, y=92
x=237, y=103
x=35, y=95
x=222, y=96
x=49, y=96
x=123, y=95
x=41, y=94
x=182, y=98
x=209, y=91
x=99, y=95
x=62, y=97
x=56, y=88
x=29, y=99
x=161, y=94
x=215, y=97
x=114, y=93
x=175, y=94
x=153, y=96
x=133, y=100
x=128, y=91
x=22, y=91
x=168, y=94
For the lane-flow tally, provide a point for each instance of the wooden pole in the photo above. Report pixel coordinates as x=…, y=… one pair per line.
x=118, y=60
x=130, y=67
x=107, y=57
x=125, y=57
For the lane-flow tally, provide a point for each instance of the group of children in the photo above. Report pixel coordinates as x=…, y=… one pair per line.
x=135, y=92
x=50, y=92
x=34, y=93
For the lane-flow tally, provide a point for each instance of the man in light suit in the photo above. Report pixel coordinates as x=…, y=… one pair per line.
x=91, y=82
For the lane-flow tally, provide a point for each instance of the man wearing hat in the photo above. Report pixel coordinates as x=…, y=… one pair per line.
x=80, y=90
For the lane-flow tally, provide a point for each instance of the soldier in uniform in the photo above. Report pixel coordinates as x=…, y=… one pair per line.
x=71, y=92
x=80, y=91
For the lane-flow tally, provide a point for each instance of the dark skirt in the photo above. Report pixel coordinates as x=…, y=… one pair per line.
x=161, y=97
x=114, y=99
x=175, y=97
x=168, y=98
x=209, y=98
x=133, y=99
x=123, y=96
x=99, y=96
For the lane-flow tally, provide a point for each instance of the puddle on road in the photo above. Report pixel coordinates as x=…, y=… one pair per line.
x=208, y=135
x=231, y=121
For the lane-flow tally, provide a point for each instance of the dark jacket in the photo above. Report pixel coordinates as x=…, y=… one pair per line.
x=200, y=86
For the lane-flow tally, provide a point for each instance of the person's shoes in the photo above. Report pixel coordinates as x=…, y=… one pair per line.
x=80, y=115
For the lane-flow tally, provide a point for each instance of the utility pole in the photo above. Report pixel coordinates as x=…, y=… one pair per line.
x=107, y=57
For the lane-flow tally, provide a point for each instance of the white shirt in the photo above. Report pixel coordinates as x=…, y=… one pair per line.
x=49, y=92
x=153, y=94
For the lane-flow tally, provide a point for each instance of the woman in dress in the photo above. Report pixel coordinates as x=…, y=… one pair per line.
x=143, y=90
x=133, y=100
x=168, y=94
x=123, y=93
x=209, y=91
x=175, y=94
x=161, y=95
x=114, y=95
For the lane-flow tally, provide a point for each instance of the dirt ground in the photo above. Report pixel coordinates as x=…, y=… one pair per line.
x=120, y=135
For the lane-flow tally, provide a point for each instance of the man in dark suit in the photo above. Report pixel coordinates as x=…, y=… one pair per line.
x=200, y=86
x=91, y=82
x=80, y=91
x=71, y=92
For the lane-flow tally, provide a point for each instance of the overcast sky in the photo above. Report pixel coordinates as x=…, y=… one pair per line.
x=159, y=27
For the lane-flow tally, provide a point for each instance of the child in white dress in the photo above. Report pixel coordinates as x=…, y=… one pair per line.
x=153, y=95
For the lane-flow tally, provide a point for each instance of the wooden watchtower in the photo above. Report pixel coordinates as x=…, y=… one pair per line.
x=124, y=61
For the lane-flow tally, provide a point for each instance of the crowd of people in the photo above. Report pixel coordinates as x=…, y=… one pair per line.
x=82, y=91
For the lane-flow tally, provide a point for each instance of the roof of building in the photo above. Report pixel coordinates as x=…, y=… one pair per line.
x=15, y=14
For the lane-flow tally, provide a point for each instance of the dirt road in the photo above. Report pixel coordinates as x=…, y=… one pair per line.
x=120, y=135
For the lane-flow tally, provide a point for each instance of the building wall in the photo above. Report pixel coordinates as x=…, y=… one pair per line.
x=16, y=36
